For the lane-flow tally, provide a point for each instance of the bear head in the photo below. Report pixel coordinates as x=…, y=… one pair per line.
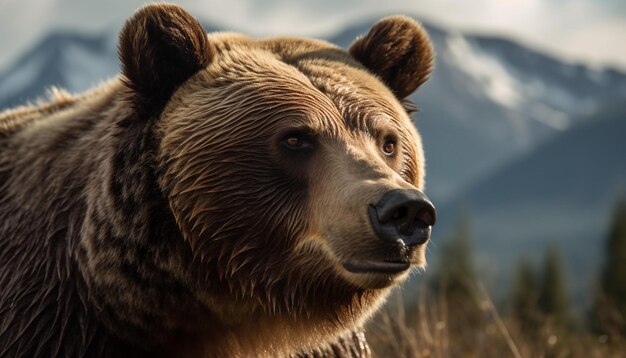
x=291, y=166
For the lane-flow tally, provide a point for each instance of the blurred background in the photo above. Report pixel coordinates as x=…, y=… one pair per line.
x=524, y=127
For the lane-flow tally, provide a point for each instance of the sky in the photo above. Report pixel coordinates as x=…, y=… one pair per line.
x=588, y=31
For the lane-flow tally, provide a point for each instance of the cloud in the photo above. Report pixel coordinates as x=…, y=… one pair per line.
x=600, y=44
x=20, y=26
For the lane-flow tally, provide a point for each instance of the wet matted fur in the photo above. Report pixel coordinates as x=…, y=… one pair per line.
x=163, y=214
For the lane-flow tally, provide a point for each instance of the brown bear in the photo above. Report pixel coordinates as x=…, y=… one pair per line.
x=222, y=197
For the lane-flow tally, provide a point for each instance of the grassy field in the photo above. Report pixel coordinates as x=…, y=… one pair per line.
x=437, y=326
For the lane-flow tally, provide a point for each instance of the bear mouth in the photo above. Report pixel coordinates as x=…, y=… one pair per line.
x=369, y=266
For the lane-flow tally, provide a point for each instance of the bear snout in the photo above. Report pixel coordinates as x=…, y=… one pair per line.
x=403, y=216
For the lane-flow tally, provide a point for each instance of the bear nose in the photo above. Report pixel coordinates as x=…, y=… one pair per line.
x=403, y=215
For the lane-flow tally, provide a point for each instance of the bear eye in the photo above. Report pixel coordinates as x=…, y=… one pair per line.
x=294, y=142
x=297, y=142
x=389, y=147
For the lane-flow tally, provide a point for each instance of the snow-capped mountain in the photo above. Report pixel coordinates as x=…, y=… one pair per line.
x=71, y=61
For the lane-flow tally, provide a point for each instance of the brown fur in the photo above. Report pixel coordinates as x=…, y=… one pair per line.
x=159, y=214
x=397, y=50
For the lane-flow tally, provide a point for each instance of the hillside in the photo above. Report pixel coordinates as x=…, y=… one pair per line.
x=562, y=192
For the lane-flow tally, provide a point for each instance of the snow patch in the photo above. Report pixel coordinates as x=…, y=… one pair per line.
x=599, y=76
x=498, y=83
x=549, y=116
x=552, y=94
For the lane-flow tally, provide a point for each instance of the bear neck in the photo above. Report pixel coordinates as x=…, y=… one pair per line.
x=51, y=161
x=131, y=254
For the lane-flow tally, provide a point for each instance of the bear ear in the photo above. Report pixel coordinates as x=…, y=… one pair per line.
x=398, y=51
x=160, y=47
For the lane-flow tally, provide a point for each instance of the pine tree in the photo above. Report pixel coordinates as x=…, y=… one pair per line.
x=525, y=297
x=456, y=285
x=553, y=301
x=456, y=277
x=609, y=311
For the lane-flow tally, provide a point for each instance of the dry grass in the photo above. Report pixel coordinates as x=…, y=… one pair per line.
x=436, y=326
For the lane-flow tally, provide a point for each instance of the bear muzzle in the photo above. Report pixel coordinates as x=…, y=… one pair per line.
x=403, y=220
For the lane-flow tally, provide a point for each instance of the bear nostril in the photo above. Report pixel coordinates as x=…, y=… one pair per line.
x=399, y=213
x=425, y=218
